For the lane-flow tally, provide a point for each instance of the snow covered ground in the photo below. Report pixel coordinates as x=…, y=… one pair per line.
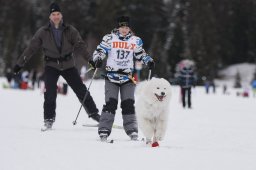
x=217, y=134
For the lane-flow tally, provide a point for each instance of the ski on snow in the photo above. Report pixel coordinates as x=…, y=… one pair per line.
x=107, y=141
x=97, y=125
x=46, y=129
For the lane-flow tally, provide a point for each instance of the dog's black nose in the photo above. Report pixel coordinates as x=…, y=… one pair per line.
x=162, y=93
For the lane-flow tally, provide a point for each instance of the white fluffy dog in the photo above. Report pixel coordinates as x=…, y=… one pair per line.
x=152, y=109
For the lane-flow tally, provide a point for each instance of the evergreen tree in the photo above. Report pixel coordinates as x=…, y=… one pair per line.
x=13, y=29
x=213, y=33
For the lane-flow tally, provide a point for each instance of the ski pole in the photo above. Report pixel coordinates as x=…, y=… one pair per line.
x=87, y=92
x=149, y=74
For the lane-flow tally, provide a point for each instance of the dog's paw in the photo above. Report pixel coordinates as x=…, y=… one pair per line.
x=148, y=142
x=160, y=138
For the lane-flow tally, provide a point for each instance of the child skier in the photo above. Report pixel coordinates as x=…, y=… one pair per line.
x=120, y=47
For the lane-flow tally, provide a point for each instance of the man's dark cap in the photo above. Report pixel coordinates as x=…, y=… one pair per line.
x=54, y=7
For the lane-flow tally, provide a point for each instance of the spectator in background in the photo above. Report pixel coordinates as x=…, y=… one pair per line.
x=9, y=76
x=207, y=86
x=213, y=86
x=33, y=78
x=186, y=80
x=254, y=87
x=24, y=80
x=225, y=89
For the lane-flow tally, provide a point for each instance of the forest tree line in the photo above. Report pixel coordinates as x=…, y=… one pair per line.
x=213, y=33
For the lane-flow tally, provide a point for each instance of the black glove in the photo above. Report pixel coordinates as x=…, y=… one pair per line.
x=16, y=69
x=96, y=64
x=151, y=64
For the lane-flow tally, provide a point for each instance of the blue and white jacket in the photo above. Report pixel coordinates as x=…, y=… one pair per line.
x=120, y=52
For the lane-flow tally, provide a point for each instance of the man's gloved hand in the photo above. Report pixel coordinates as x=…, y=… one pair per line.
x=96, y=64
x=92, y=64
x=16, y=69
x=151, y=64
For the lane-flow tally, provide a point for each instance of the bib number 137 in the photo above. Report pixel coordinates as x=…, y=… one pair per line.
x=122, y=54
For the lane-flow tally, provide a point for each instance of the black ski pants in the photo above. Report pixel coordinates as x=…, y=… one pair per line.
x=184, y=92
x=73, y=79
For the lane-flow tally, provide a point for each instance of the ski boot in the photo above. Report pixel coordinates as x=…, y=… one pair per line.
x=134, y=136
x=47, y=124
x=103, y=137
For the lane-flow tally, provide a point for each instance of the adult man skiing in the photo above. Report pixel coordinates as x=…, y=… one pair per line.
x=60, y=43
